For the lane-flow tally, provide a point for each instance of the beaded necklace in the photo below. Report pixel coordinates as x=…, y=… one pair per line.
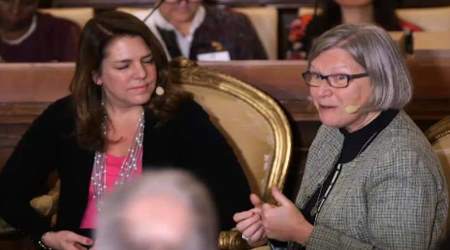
x=129, y=165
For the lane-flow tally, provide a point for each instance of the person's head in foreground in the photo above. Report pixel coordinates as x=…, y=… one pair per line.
x=162, y=210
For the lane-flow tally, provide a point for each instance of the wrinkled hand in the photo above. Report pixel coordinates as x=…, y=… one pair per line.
x=66, y=240
x=250, y=225
x=284, y=221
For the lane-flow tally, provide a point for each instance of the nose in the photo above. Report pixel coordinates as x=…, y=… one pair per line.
x=323, y=90
x=140, y=71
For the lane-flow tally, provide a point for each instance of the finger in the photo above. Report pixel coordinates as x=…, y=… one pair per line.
x=280, y=198
x=76, y=238
x=79, y=247
x=255, y=200
x=251, y=230
x=243, y=225
x=237, y=217
x=258, y=235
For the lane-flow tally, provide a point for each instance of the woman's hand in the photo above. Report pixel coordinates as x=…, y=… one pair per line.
x=66, y=240
x=285, y=222
x=250, y=225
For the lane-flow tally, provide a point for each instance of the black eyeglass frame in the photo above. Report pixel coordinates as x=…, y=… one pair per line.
x=349, y=77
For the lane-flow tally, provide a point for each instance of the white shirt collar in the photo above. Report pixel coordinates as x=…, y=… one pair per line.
x=184, y=42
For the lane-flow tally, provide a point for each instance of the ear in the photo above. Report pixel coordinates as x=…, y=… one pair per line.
x=96, y=78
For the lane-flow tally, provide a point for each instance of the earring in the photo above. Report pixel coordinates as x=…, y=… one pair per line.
x=159, y=91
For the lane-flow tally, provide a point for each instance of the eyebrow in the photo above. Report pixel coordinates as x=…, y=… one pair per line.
x=129, y=60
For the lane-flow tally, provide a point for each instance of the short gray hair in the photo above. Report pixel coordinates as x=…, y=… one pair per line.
x=373, y=49
x=171, y=183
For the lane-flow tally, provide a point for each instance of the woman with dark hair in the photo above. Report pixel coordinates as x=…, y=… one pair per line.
x=123, y=116
x=334, y=12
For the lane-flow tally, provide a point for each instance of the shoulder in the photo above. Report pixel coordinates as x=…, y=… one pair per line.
x=402, y=151
x=59, y=111
x=190, y=110
x=225, y=16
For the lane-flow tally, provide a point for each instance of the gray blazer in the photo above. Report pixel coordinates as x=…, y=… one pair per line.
x=391, y=196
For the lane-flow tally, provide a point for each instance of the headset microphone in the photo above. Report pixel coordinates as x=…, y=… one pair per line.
x=351, y=109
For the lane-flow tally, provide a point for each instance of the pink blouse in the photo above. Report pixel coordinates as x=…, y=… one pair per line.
x=113, y=164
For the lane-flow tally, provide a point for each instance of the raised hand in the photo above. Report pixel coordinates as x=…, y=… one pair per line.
x=284, y=221
x=66, y=240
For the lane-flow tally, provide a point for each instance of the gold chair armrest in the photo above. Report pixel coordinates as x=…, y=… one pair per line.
x=232, y=240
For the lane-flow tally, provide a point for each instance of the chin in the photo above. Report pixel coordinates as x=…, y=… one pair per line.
x=333, y=122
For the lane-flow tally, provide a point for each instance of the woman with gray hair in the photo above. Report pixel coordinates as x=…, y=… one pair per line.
x=371, y=178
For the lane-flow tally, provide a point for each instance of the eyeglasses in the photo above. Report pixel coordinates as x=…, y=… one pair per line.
x=313, y=79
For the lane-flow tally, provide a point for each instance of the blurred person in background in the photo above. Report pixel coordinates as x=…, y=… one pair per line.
x=26, y=35
x=201, y=31
x=306, y=28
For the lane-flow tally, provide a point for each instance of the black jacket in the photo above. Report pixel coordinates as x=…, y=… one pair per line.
x=188, y=141
x=221, y=28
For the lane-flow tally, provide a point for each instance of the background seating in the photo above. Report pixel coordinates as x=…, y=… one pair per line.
x=264, y=19
x=79, y=16
x=439, y=136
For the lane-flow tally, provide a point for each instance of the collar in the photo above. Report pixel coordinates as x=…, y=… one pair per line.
x=27, y=34
x=357, y=141
x=161, y=22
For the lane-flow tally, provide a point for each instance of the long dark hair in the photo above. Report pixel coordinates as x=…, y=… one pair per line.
x=331, y=16
x=97, y=34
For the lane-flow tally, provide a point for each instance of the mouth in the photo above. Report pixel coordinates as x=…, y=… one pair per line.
x=326, y=107
x=139, y=88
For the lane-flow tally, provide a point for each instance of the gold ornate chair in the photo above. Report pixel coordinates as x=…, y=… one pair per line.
x=439, y=137
x=253, y=123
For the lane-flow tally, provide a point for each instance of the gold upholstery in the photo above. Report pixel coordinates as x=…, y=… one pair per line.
x=439, y=136
x=253, y=123
x=265, y=22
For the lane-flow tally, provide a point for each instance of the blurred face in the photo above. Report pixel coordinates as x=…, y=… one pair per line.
x=341, y=107
x=353, y=3
x=128, y=74
x=158, y=223
x=16, y=14
x=179, y=11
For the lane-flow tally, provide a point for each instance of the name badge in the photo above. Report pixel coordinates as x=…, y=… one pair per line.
x=214, y=56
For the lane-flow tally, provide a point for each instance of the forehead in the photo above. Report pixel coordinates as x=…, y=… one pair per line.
x=126, y=47
x=334, y=58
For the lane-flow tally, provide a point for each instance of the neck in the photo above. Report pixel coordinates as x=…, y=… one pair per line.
x=359, y=14
x=16, y=33
x=363, y=122
x=123, y=113
x=183, y=27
